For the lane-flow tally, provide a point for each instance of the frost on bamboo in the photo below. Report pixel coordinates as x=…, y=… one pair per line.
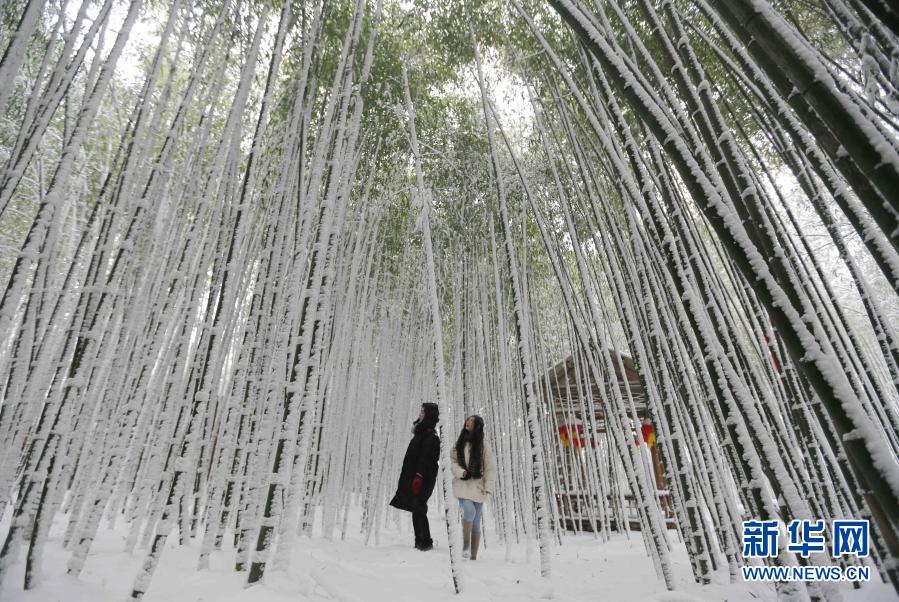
x=240, y=250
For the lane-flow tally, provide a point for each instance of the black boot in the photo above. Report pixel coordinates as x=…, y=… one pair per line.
x=423, y=539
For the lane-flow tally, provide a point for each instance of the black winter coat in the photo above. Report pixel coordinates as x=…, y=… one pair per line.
x=421, y=457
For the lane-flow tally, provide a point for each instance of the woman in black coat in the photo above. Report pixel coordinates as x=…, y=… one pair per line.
x=419, y=474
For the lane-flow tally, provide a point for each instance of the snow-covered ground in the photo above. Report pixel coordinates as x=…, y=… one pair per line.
x=583, y=569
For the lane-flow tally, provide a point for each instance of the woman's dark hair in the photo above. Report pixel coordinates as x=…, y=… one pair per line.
x=476, y=438
x=432, y=417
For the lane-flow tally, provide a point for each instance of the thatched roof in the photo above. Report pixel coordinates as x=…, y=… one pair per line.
x=562, y=384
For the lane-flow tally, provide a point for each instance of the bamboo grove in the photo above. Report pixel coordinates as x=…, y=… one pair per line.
x=242, y=241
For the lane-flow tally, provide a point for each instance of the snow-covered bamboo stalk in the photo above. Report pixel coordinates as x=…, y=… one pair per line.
x=423, y=205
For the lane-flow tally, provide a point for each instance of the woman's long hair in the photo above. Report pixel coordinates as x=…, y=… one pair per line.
x=476, y=438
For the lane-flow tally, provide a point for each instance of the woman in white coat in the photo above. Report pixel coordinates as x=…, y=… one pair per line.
x=474, y=473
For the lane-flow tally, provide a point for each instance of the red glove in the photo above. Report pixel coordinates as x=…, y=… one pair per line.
x=417, y=484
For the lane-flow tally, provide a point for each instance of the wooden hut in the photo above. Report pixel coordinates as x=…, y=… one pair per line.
x=566, y=388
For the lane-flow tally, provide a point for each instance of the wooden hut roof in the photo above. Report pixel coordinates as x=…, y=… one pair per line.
x=561, y=382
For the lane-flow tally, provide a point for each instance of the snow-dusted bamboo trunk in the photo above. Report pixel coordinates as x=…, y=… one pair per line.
x=423, y=205
x=523, y=335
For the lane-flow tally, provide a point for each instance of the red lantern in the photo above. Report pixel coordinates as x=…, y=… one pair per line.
x=563, y=435
x=574, y=434
x=649, y=434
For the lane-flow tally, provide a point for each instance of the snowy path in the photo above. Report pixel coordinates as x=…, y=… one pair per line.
x=348, y=571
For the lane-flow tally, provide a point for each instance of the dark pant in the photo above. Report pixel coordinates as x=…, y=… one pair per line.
x=422, y=529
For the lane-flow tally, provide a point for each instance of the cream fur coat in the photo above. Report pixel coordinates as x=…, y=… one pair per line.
x=474, y=489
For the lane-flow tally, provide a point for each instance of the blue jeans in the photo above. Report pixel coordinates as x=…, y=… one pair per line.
x=471, y=513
